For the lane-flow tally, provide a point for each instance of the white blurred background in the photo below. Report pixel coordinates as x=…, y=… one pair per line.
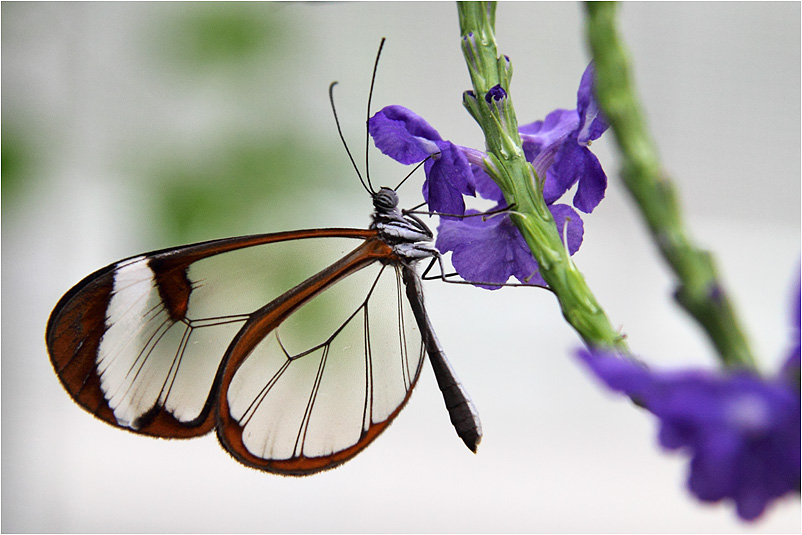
x=130, y=127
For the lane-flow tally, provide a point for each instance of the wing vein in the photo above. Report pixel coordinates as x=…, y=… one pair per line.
x=301, y=438
x=367, y=410
x=254, y=404
x=172, y=373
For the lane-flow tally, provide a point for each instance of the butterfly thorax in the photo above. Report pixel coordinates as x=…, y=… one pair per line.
x=408, y=236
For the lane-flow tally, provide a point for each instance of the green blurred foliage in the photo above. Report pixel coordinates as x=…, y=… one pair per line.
x=246, y=164
x=252, y=165
x=202, y=198
x=16, y=160
x=216, y=35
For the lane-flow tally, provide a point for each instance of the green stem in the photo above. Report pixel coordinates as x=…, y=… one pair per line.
x=700, y=291
x=517, y=178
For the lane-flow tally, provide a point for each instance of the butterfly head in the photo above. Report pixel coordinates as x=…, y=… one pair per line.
x=385, y=201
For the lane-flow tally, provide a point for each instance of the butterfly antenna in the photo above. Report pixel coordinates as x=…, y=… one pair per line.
x=411, y=172
x=367, y=119
x=342, y=138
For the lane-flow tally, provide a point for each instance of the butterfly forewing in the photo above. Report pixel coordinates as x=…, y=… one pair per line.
x=321, y=386
x=149, y=358
x=140, y=343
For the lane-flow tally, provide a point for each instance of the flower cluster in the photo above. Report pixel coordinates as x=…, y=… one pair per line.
x=490, y=249
x=741, y=431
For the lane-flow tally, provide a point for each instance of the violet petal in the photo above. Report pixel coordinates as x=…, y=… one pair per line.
x=448, y=178
x=592, y=123
x=569, y=225
x=488, y=251
x=403, y=135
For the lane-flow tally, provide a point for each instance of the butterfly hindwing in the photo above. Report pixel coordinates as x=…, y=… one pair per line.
x=319, y=387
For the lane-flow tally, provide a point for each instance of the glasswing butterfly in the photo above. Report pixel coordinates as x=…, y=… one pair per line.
x=297, y=365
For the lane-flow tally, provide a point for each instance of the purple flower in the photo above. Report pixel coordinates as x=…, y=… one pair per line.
x=407, y=138
x=741, y=431
x=496, y=93
x=491, y=250
x=558, y=148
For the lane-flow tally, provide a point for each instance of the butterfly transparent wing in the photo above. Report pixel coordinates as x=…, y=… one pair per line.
x=328, y=379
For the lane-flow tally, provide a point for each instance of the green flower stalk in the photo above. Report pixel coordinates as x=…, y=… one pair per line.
x=741, y=430
x=518, y=180
x=700, y=291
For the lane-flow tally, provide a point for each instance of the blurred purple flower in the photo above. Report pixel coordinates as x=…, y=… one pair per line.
x=491, y=250
x=792, y=365
x=741, y=431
